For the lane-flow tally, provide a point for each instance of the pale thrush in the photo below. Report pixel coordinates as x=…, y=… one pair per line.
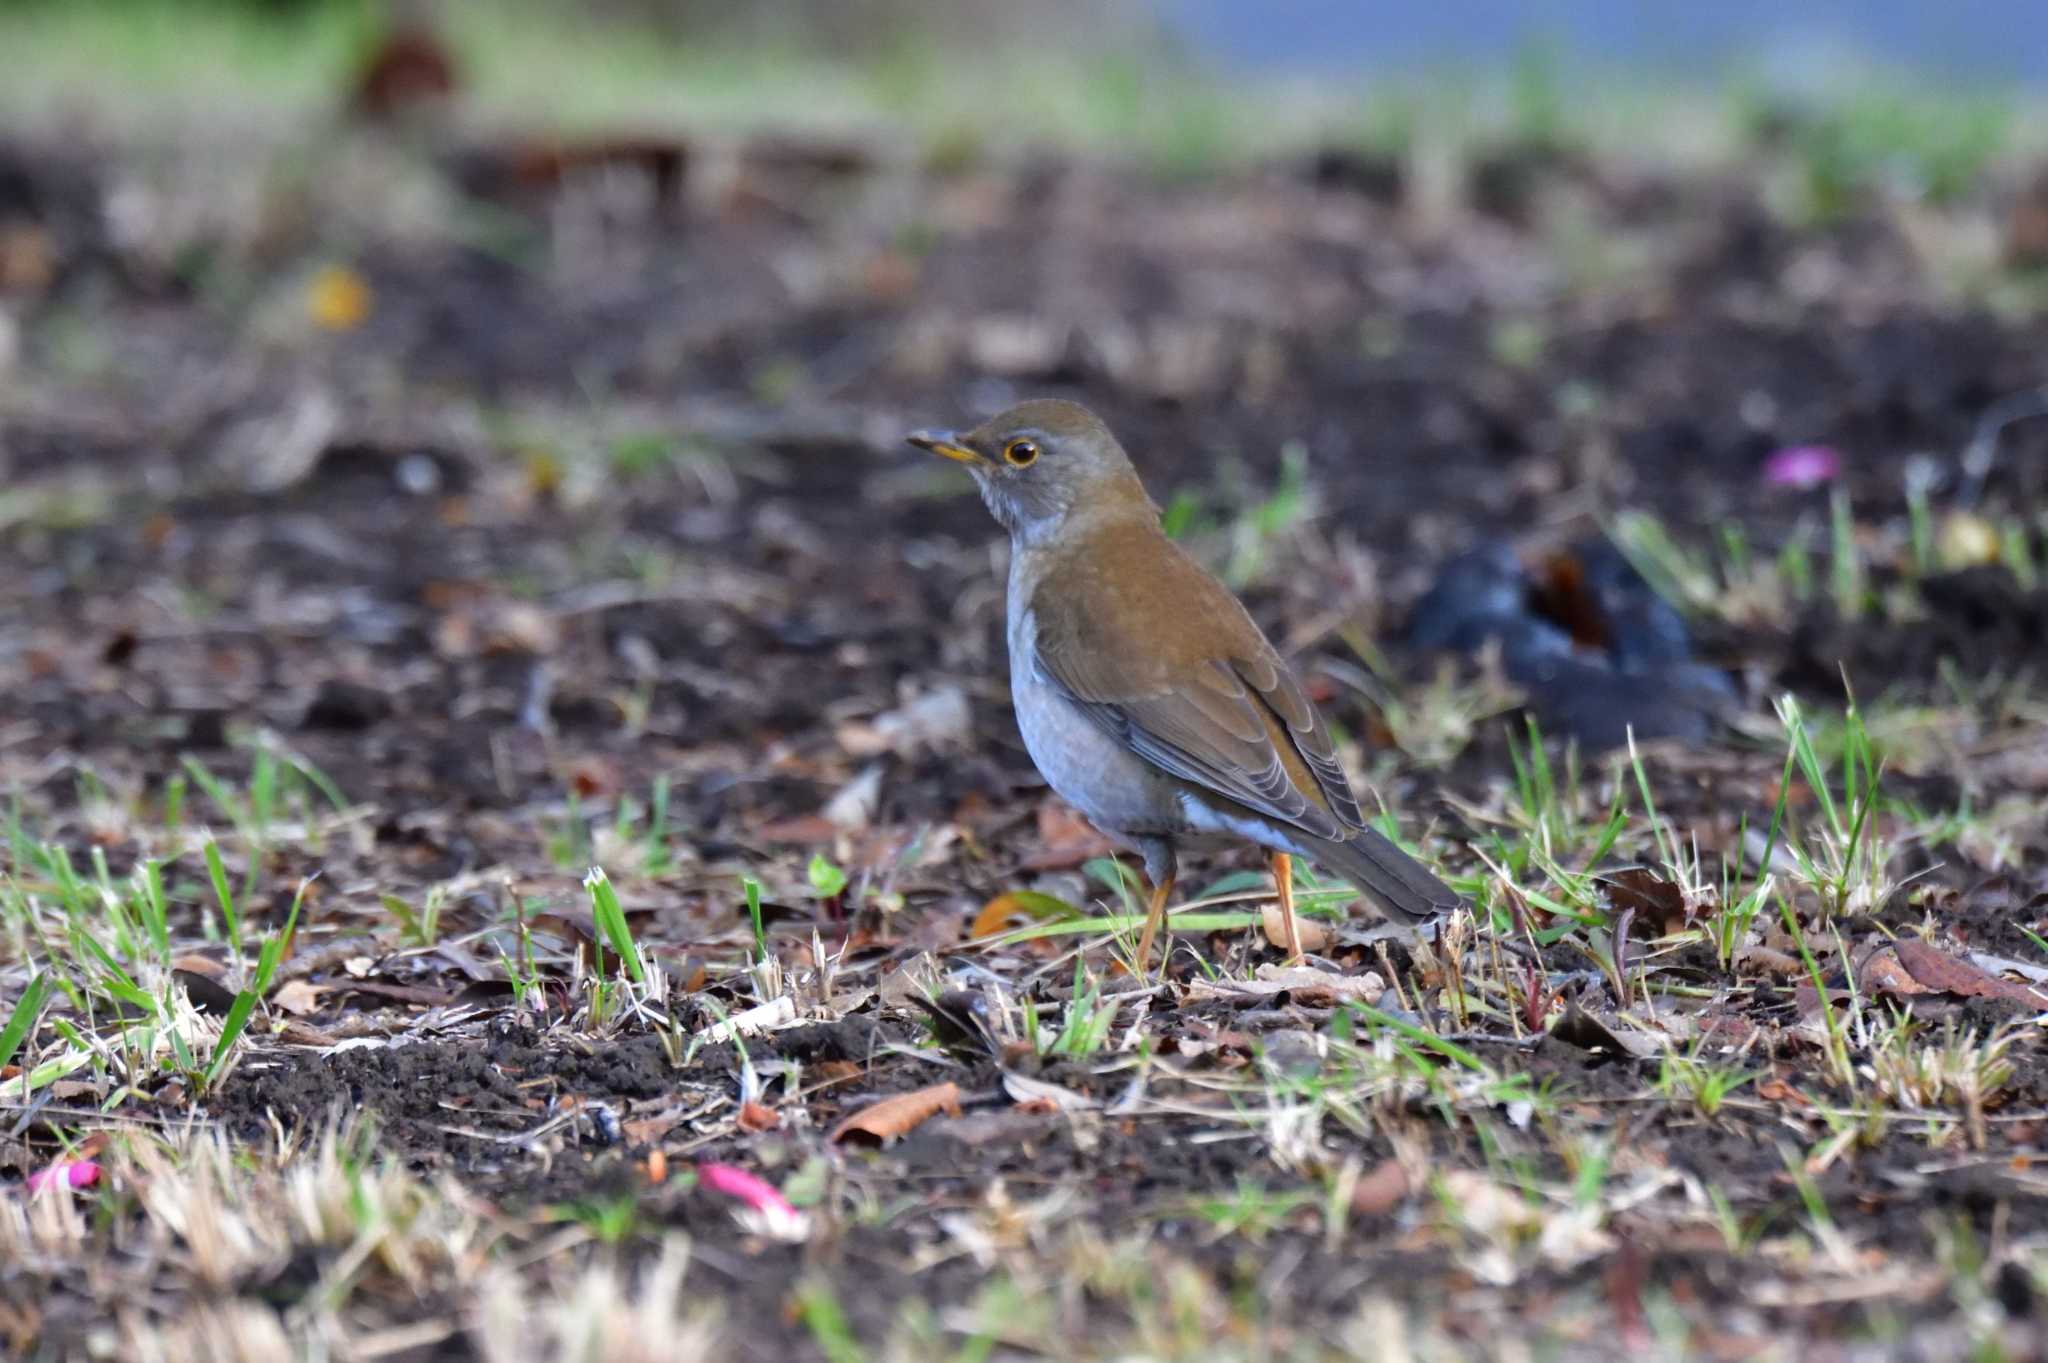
x=1146, y=695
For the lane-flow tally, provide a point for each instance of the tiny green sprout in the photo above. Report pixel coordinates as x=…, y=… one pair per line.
x=239, y=1011
x=1707, y=1086
x=750, y=889
x=422, y=927
x=828, y=881
x=1089, y=1018
x=1845, y=566
x=611, y=922
x=817, y=1305
x=656, y=858
x=610, y=1220
x=1183, y=516
x=634, y=456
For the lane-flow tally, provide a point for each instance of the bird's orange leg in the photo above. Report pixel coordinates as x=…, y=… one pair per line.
x=1155, y=919
x=1283, y=888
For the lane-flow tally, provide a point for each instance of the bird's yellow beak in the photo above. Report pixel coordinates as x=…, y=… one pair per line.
x=946, y=443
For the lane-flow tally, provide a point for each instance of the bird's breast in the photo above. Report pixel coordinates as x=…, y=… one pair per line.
x=1086, y=765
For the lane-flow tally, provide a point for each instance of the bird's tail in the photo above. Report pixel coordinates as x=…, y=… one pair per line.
x=1401, y=887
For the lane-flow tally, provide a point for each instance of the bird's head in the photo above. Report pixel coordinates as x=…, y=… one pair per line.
x=1041, y=462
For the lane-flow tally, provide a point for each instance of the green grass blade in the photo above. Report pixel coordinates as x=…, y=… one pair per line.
x=26, y=1009
x=217, y=871
x=611, y=919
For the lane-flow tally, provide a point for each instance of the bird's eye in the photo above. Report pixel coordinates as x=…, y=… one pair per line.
x=1020, y=452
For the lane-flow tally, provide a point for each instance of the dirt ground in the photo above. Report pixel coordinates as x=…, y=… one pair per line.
x=517, y=500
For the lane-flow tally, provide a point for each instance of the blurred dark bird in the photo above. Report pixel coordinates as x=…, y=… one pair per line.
x=1146, y=695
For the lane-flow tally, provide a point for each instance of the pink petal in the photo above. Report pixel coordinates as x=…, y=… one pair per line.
x=76, y=1173
x=1803, y=466
x=757, y=1193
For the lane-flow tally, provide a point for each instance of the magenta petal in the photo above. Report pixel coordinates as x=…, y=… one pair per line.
x=77, y=1173
x=756, y=1193
x=1803, y=466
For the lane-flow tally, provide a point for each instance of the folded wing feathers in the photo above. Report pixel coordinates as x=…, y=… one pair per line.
x=1217, y=734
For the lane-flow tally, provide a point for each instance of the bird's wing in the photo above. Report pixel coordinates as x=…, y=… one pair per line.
x=1203, y=695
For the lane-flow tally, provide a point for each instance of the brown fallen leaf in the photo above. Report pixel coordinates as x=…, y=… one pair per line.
x=834, y=1071
x=758, y=1117
x=1940, y=971
x=1065, y=840
x=894, y=1117
x=1001, y=913
x=298, y=997
x=1381, y=1190
x=1314, y=936
x=1659, y=904
x=804, y=830
x=424, y=996
x=1778, y=1091
x=1763, y=960
x=1577, y=1027
x=1884, y=972
x=648, y=1130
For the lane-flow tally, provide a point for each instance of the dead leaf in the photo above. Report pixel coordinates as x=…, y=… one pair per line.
x=1314, y=936
x=593, y=777
x=497, y=627
x=1882, y=971
x=298, y=997
x=1577, y=1027
x=1778, y=1091
x=777, y=1012
x=936, y=719
x=1382, y=1190
x=1065, y=840
x=804, y=830
x=755, y=1116
x=1305, y=983
x=28, y=258
x=1941, y=971
x=897, y=1116
x=1038, y=1096
x=208, y=996
x=424, y=996
x=648, y=1130
x=1808, y=1001
x=2032, y=974
x=295, y=1033
x=1763, y=960
x=826, y=1072
x=1659, y=904
x=998, y=914
x=855, y=804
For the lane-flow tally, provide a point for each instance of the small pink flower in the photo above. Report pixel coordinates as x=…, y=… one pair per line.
x=75, y=1173
x=1803, y=466
x=768, y=1211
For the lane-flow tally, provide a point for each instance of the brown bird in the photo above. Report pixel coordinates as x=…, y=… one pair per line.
x=1146, y=695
